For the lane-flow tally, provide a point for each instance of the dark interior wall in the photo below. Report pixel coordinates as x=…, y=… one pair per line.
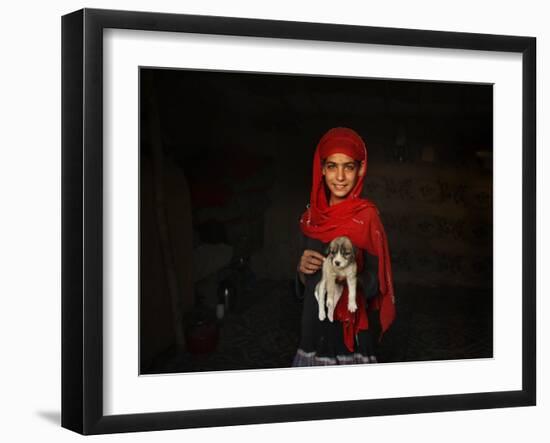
x=245, y=143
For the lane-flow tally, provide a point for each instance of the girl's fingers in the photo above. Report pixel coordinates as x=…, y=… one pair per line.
x=318, y=256
x=311, y=267
x=315, y=258
x=311, y=261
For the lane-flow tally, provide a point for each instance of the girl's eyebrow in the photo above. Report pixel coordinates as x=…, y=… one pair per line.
x=343, y=163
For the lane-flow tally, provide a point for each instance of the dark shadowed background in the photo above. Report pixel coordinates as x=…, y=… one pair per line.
x=225, y=173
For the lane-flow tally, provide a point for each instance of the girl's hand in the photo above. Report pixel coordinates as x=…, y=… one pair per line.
x=310, y=262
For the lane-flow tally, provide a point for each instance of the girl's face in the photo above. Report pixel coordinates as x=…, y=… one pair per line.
x=341, y=174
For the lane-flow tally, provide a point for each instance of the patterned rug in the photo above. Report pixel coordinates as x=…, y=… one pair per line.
x=263, y=331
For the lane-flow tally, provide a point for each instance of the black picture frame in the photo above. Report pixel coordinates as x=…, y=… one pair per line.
x=82, y=218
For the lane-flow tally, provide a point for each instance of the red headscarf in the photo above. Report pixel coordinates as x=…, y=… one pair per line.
x=356, y=218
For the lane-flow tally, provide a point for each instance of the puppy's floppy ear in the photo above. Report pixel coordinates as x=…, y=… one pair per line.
x=327, y=250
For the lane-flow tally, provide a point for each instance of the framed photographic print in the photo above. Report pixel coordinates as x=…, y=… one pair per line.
x=217, y=170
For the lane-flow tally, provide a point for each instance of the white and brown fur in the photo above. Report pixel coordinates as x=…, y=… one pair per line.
x=340, y=262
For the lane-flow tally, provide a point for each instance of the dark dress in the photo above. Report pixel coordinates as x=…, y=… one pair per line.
x=322, y=342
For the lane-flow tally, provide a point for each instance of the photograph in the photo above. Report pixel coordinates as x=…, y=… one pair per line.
x=291, y=220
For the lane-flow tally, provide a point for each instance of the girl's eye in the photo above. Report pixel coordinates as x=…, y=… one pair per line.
x=350, y=167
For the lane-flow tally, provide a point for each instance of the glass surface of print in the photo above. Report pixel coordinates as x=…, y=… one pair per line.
x=225, y=175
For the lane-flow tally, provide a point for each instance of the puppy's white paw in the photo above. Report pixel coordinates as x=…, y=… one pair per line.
x=331, y=315
x=352, y=306
x=322, y=314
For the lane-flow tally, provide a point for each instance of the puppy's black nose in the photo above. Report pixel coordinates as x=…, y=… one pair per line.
x=337, y=263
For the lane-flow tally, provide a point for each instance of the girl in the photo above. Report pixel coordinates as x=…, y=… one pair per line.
x=336, y=209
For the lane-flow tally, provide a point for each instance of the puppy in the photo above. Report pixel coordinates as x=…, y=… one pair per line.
x=340, y=262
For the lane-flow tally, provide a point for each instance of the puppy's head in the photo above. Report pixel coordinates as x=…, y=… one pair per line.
x=341, y=252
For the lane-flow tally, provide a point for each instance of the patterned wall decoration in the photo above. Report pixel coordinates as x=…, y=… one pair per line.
x=438, y=221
